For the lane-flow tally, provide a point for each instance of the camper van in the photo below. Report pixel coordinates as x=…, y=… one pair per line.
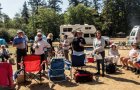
x=88, y=31
x=134, y=35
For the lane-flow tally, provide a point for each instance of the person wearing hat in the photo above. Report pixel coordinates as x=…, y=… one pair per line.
x=131, y=56
x=39, y=45
x=78, y=44
x=113, y=54
x=99, y=49
x=43, y=36
x=20, y=43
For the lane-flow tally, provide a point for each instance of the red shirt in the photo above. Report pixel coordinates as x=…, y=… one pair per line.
x=5, y=73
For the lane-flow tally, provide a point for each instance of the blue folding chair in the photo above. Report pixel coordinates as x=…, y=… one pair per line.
x=57, y=69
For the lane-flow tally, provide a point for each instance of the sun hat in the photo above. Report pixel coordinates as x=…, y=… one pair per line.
x=19, y=31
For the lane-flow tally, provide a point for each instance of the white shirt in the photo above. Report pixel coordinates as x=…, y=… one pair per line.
x=132, y=52
x=41, y=45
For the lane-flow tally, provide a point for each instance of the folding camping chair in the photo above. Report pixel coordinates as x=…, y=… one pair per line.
x=77, y=61
x=32, y=67
x=57, y=69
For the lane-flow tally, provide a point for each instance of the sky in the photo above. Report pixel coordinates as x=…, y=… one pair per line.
x=11, y=7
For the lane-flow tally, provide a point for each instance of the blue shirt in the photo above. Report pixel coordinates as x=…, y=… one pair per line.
x=21, y=41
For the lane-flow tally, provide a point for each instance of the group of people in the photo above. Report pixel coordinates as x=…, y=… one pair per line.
x=43, y=44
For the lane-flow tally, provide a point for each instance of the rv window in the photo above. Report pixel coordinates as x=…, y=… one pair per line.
x=64, y=29
x=133, y=33
x=86, y=35
x=87, y=28
x=69, y=29
x=92, y=35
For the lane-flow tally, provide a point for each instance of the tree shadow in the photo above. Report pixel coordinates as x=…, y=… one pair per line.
x=123, y=79
x=68, y=83
x=40, y=86
x=23, y=84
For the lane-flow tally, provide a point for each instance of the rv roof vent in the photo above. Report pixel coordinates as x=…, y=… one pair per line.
x=86, y=24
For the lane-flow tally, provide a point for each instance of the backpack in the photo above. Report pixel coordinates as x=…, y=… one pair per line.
x=110, y=68
x=83, y=76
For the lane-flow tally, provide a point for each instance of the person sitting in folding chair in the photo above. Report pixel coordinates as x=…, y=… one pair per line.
x=4, y=53
x=114, y=55
x=39, y=46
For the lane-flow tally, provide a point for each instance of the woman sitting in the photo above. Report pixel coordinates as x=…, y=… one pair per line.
x=113, y=54
x=132, y=54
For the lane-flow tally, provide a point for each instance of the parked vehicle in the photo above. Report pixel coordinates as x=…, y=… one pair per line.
x=134, y=35
x=88, y=31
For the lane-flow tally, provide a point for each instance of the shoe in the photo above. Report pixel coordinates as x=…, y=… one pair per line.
x=98, y=73
x=103, y=75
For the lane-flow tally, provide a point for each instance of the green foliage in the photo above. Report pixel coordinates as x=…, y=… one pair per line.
x=25, y=13
x=81, y=15
x=4, y=34
x=55, y=4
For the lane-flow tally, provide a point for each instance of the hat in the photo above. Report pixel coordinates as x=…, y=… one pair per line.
x=79, y=31
x=2, y=45
x=113, y=44
x=39, y=33
x=19, y=31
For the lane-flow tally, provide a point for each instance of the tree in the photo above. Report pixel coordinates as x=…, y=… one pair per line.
x=74, y=2
x=120, y=15
x=17, y=21
x=96, y=4
x=81, y=15
x=86, y=2
x=55, y=4
x=7, y=21
x=25, y=13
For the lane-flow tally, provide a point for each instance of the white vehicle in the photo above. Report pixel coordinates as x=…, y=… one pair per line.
x=134, y=35
x=88, y=31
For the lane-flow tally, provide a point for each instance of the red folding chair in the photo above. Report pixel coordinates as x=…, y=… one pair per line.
x=32, y=67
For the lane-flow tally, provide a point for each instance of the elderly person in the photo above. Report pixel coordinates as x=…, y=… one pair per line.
x=39, y=46
x=20, y=43
x=43, y=36
x=98, y=48
x=114, y=55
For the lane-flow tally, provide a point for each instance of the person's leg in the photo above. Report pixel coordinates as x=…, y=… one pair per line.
x=98, y=66
x=103, y=67
x=122, y=61
x=42, y=59
x=19, y=55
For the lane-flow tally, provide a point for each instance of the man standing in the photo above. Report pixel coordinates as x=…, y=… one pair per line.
x=20, y=43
